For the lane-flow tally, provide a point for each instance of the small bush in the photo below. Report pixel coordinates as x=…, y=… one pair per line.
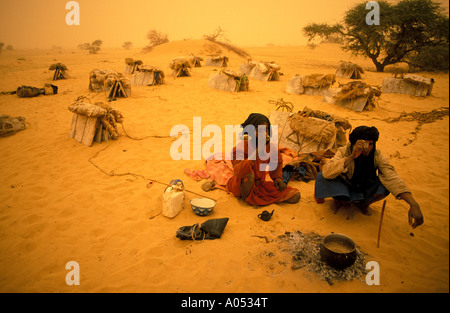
x=93, y=47
x=156, y=38
x=127, y=45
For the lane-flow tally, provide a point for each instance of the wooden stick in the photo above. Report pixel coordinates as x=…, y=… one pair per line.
x=168, y=185
x=381, y=220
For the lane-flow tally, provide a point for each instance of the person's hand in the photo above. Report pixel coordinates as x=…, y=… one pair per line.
x=358, y=148
x=415, y=217
x=279, y=184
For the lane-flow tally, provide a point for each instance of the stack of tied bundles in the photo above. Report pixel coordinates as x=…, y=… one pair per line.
x=94, y=122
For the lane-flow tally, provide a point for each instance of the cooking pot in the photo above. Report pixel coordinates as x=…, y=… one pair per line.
x=338, y=251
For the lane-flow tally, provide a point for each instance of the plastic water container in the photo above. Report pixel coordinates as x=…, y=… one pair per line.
x=173, y=199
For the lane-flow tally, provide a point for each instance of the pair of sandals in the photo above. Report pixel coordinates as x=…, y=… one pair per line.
x=198, y=175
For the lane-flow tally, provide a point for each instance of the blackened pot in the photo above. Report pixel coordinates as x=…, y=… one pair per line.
x=338, y=251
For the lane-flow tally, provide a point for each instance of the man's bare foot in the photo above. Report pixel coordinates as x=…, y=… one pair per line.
x=336, y=205
x=364, y=208
x=351, y=212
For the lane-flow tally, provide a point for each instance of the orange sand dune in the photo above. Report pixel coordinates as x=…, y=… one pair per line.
x=56, y=206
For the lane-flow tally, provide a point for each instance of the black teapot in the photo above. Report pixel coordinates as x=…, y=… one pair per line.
x=266, y=215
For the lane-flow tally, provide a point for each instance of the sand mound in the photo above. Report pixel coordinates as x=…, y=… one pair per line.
x=197, y=47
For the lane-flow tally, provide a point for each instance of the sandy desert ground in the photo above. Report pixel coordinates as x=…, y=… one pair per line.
x=56, y=206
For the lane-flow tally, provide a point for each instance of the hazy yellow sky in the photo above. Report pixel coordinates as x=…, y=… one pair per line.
x=42, y=23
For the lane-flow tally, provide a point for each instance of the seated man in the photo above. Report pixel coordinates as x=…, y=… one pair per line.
x=351, y=176
x=249, y=178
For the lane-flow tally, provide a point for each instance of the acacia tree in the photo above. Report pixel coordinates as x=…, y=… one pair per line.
x=405, y=29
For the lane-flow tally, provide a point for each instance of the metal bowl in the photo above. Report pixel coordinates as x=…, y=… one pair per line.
x=338, y=251
x=202, y=206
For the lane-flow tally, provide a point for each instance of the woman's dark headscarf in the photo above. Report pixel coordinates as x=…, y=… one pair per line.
x=365, y=172
x=256, y=119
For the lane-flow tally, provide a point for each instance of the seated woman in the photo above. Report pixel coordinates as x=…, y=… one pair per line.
x=351, y=176
x=249, y=178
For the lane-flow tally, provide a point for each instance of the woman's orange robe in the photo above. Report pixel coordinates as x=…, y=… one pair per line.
x=264, y=191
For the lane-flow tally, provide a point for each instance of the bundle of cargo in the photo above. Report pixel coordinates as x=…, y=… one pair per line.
x=219, y=61
x=357, y=96
x=314, y=84
x=60, y=71
x=120, y=87
x=98, y=79
x=105, y=80
x=410, y=84
x=147, y=75
x=229, y=80
x=29, y=91
x=349, y=70
x=9, y=125
x=131, y=65
x=94, y=122
x=181, y=67
x=247, y=67
x=310, y=130
x=195, y=61
x=264, y=71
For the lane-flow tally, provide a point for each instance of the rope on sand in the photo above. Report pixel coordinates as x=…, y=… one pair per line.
x=134, y=138
x=150, y=181
x=421, y=118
